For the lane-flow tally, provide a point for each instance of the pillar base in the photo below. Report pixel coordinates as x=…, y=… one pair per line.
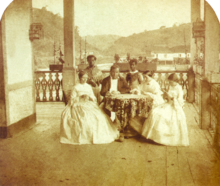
x=69, y=80
x=22, y=125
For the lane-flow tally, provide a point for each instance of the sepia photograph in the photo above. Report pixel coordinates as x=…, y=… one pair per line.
x=110, y=93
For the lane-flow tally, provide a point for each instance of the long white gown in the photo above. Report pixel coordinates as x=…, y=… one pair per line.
x=152, y=88
x=166, y=123
x=83, y=122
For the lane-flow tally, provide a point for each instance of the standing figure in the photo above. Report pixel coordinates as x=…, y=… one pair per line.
x=166, y=123
x=95, y=76
x=134, y=78
x=150, y=87
x=82, y=121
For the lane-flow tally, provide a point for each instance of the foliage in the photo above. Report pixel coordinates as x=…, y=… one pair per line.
x=128, y=57
x=102, y=42
x=43, y=49
x=116, y=57
x=146, y=42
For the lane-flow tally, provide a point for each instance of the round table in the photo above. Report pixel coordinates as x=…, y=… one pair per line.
x=128, y=106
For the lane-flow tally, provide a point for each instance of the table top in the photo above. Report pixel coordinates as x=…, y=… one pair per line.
x=128, y=96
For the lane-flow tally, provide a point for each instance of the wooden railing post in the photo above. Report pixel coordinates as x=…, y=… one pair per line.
x=217, y=133
x=191, y=86
x=44, y=87
x=50, y=86
x=37, y=86
x=205, y=104
x=57, y=87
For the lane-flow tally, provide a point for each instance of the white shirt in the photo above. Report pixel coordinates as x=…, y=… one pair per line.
x=132, y=72
x=114, y=85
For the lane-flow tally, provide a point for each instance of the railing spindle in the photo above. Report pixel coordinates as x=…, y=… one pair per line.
x=55, y=84
x=57, y=87
x=50, y=86
x=44, y=87
x=37, y=86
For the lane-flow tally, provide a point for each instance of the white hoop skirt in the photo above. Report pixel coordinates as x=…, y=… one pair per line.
x=85, y=123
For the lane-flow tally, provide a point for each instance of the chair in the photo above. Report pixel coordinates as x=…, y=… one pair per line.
x=66, y=96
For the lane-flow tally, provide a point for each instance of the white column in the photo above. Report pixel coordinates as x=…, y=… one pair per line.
x=69, y=71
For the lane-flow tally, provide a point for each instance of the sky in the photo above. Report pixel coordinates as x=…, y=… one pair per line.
x=122, y=17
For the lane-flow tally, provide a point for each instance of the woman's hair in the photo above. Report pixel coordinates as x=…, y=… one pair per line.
x=90, y=56
x=148, y=71
x=81, y=74
x=114, y=67
x=173, y=77
x=133, y=61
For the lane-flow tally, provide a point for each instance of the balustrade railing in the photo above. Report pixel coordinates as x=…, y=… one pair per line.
x=215, y=108
x=49, y=84
x=161, y=78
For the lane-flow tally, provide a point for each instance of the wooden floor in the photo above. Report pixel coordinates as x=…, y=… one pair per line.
x=35, y=157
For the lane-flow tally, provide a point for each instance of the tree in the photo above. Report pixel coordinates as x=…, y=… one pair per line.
x=162, y=27
x=116, y=57
x=140, y=58
x=175, y=25
x=128, y=57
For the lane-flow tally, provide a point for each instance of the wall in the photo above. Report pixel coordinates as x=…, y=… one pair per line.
x=18, y=64
x=195, y=14
x=2, y=87
x=211, y=40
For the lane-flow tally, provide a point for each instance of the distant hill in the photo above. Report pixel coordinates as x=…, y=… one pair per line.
x=102, y=42
x=53, y=32
x=145, y=42
x=174, y=39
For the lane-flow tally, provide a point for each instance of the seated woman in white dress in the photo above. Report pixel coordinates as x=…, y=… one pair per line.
x=151, y=87
x=82, y=121
x=166, y=123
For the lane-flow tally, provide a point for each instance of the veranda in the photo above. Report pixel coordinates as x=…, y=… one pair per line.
x=31, y=106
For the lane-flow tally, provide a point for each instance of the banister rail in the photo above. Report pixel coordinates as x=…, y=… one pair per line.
x=48, y=86
x=49, y=83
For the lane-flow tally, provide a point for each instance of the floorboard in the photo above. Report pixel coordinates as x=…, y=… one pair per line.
x=36, y=157
x=200, y=155
x=186, y=177
x=155, y=166
x=138, y=165
x=173, y=172
x=118, y=169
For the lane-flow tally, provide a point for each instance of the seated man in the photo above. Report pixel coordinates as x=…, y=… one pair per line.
x=114, y=84
x=95, y=76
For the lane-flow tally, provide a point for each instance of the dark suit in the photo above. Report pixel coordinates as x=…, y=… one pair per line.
x=123, y=88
